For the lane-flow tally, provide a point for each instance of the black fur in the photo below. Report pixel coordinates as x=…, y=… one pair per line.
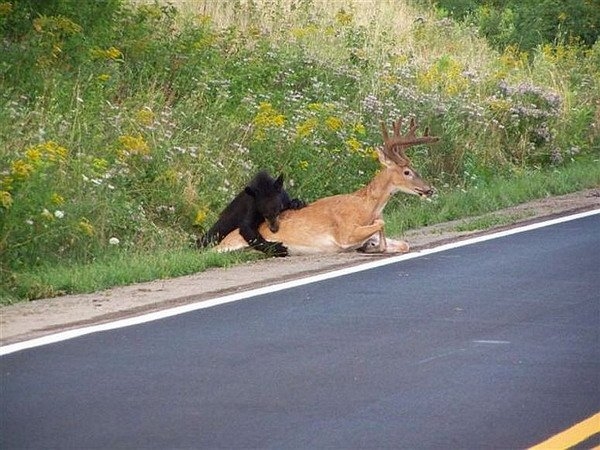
x=263, y=199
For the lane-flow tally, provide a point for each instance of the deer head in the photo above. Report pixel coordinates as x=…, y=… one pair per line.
x=393, y=156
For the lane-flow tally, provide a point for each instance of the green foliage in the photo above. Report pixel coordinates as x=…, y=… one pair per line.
x=126, y=128
x=528, y=23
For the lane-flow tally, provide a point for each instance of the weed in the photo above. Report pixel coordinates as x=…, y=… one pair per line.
x=126, y=127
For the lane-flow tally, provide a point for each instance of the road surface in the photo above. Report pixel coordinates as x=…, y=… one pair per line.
x=490, y=345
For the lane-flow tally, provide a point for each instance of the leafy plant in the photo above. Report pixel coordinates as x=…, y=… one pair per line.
x=126, y=127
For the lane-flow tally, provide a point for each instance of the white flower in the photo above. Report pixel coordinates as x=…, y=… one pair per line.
x=113, y=241
x=59, y=214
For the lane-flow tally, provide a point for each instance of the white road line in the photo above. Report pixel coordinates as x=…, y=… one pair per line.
x=122, y=323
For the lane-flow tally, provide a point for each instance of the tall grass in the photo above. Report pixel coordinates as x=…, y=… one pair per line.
x=128, y=126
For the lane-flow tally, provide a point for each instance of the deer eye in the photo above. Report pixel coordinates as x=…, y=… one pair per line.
x=406, y=172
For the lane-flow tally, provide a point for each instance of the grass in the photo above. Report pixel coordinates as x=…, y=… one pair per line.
x=408, y=213
x=486, y=222
x=125, y=128
x=124, y=268
x=118, y=270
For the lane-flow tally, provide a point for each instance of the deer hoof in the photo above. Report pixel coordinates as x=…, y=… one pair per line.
x=397, y=246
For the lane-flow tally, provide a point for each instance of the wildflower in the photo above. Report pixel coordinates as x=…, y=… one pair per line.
x=6, y=200
x=56, y=26
x=354, y=145
x=145, y=117
x=47, y=151
x=333, y=123
x=343, y=18
x=59, y=214
x=133, y=145
x=303, y=164
x=114, y=241
x=47, y=214
x=5, y=8
x=306, y=128
x=267, y=117
x=372, y=153
x=556, y=156
x=111, y=53
x=371, y=104
x=33, y=154
x=20, y=169
x=57, y=199
x=200, y=217
x=359, y=128
x=86, y=227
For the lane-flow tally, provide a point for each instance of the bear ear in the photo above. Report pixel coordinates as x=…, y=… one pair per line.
x=279, y=182
x=248, y=190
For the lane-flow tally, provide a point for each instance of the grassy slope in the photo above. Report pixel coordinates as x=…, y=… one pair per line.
x=158, y=138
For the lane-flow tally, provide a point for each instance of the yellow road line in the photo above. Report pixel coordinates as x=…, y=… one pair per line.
x=572, y=436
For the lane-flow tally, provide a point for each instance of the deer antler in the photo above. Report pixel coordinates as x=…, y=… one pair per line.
x=394, y=147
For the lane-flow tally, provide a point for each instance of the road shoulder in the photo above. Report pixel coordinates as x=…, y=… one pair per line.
x=29, y=320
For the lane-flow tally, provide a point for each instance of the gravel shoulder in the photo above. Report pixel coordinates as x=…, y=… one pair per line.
x=29, y=320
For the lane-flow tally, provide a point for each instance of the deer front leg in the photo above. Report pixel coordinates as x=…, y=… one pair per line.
x=382, y=241
x=361, y=234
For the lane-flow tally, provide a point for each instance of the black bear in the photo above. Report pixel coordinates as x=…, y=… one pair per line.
x=261, y=200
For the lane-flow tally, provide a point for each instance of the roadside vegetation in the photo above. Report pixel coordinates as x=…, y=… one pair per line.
x=126, y=127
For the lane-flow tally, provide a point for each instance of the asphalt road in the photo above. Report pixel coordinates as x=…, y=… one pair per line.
x=492, y=345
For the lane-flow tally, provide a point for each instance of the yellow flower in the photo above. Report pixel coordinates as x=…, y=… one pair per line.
x=200, y=216
x=33, y=154
x=133, y=145
x=267, y=117
x=306, y=128
x=354, y=145
x=21, y=169
x=6, y=200
x=303, y=164
x=56, y=25
x=333, y=123
x=103, y=77
x=513, y=58
x=48, y=151
x=144, y=117
x=57, y=199
x=111, y=53
x=47, y=215
x=5, y=8
x=86, y=227
x=170, y=176
x=343, y=17
x=359, y=128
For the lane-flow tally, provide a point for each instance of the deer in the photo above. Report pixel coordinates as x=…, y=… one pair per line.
x=347, y=222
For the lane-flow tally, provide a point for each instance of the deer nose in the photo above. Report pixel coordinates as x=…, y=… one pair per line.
x=426, y=192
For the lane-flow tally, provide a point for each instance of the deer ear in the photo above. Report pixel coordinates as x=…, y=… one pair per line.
x=279, y=182
x=384, y=160
x=248, y=190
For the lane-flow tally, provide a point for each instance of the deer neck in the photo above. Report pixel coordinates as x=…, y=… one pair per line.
x=377, y=193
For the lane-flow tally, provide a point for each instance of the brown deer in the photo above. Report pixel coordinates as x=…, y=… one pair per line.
x=346, y=222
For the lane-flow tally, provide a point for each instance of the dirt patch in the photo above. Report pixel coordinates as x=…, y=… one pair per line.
x=24, y=321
